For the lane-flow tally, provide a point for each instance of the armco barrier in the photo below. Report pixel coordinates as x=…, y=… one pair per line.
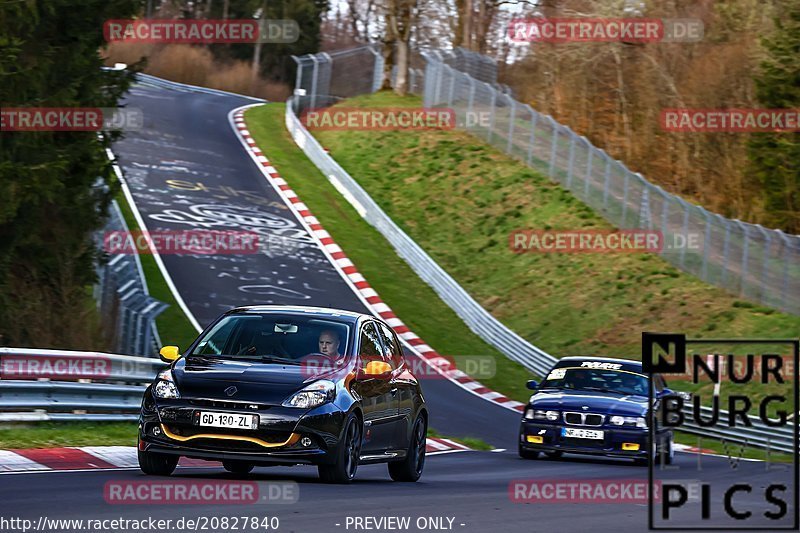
x=42, y=385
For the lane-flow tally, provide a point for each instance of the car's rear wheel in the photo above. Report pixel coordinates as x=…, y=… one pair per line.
x=157, y=464
x=527, y=454
x=410, y=468
x=347, y=454
x=238, y=467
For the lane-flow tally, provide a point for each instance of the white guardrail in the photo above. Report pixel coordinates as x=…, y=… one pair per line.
x=479, y=320
x=40, y=385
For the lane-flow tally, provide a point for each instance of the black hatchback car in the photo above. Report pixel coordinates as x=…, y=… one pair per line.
x=274, y=385
x=596, y=406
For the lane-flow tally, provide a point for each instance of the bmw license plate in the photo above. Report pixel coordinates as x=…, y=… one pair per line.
x=577, y=433
x=228, y=420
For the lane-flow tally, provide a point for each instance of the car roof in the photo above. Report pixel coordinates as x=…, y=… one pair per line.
x=319, y=312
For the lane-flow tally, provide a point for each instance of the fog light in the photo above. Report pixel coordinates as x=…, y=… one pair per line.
x=630, y=446
x=305, y=441
x=534, y=439
x=156, y=431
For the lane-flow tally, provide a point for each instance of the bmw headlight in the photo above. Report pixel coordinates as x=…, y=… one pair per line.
x=550, y=416
x=165, y=386
x=637, y=421
x=313, y=395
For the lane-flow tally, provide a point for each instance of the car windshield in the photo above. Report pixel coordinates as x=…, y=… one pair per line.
x=274, y=338
x=597, y=380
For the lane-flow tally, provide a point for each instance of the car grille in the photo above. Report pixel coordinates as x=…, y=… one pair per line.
x=224, y=404
x=583, y=419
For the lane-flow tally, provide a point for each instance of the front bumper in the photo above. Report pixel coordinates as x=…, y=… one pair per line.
x=616, y=442
x=284, y=436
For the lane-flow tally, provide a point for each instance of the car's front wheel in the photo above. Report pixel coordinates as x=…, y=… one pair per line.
x=157, y=464
x=238, y=467
x=526, y=454
x=410, y=468
x=347, y=454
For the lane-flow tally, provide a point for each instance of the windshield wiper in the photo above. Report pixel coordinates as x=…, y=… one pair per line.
x=281, y=360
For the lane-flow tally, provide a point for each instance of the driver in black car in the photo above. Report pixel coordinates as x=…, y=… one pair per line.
x=329, y=344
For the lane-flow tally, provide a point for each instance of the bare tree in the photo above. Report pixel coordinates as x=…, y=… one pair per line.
x=401, y=17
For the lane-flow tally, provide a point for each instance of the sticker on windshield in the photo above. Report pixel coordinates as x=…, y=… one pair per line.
x=558, y=373
x=601, y=366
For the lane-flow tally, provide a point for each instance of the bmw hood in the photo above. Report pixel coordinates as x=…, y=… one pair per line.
x=247, y=381
x=595, y=402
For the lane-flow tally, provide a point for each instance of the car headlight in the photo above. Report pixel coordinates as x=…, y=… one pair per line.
x=539, y=414
x=165, y=386
x=637, y=421
x=529, y=414
x=313, y=395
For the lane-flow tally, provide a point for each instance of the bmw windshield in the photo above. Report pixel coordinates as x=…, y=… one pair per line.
x=288, y=339
x=596, y=380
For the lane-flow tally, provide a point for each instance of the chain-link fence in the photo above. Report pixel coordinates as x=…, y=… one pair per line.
x=341, y=74
x=127, y=310
x=748, y=260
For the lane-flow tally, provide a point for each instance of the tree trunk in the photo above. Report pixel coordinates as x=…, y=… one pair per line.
x=401, y=82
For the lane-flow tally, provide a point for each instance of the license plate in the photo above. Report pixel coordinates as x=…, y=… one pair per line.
x=577, y=433
x=228, y=420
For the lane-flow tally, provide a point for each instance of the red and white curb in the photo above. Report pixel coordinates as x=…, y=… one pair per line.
x=124, y=457
x=348, y=271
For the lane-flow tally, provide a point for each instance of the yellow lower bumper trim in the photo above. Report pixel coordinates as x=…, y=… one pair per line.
x=294, y=437
x=534, y=439
x=630, y=446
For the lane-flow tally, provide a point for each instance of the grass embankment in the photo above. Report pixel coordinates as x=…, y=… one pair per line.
x=460, y=199
x=57, y=434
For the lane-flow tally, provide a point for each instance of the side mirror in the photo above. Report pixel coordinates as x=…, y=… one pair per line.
x=169, y=354
x=532, y=384
x=377, y=369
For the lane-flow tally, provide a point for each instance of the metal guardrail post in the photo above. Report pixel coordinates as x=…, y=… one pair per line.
x=532, y=137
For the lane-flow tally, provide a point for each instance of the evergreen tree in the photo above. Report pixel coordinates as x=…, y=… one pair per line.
x=50, y=201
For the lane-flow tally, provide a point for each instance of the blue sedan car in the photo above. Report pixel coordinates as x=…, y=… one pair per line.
x=593, y=405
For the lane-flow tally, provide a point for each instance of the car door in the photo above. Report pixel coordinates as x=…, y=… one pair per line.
x=375, y=392
x=401, y=391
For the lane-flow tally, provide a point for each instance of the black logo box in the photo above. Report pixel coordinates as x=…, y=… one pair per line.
x=677, y=365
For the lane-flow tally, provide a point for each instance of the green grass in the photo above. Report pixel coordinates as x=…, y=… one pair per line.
x=733, y=450
x=408, y=296
x=471, y=442
x=173, y=325
x=460, y=199
x=57, y=434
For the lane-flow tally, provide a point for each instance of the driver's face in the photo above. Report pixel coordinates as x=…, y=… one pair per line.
x=328, y=344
